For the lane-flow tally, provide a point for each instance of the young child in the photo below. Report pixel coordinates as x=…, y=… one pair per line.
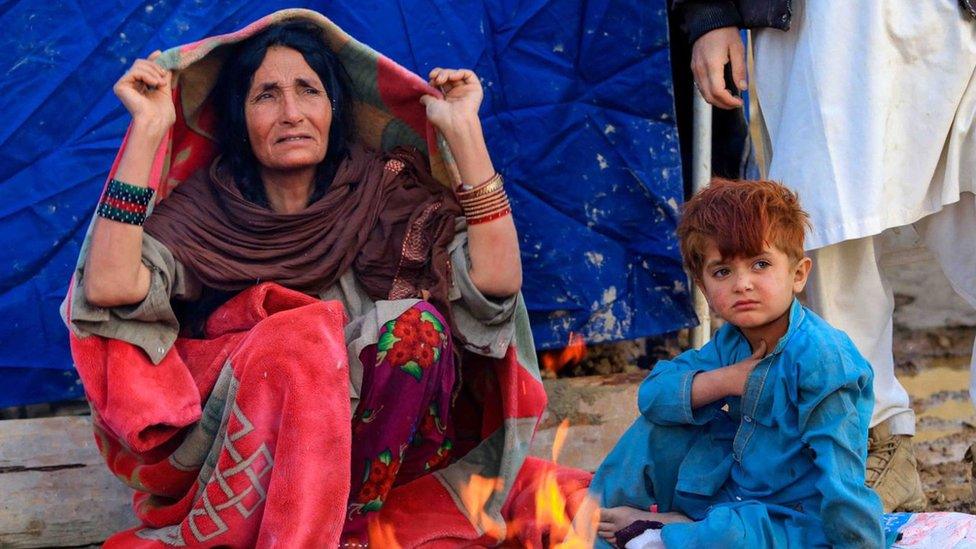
x=758, y=439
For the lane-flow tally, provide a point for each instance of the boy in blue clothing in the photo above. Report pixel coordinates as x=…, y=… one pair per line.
x=758, y=439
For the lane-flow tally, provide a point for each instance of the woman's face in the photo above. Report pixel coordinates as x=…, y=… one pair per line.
x=288, y=113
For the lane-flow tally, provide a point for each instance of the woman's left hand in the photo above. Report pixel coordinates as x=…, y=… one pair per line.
x=496, y=267
x=462, y=98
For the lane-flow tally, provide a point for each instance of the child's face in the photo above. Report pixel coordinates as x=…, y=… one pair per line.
x=752, y=292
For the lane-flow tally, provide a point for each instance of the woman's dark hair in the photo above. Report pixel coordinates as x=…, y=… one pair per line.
x=230, y=94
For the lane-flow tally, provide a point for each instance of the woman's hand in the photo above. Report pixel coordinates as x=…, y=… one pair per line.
x=496, y=268
x=145, y=91
x=462, y=98
x=711, y=52
x=114, y=273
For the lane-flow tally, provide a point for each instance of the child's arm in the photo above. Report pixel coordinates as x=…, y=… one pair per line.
x=676, y=391
x=707, y=387
x=833, y=416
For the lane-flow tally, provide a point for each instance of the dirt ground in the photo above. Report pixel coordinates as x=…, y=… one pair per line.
x=933, y=365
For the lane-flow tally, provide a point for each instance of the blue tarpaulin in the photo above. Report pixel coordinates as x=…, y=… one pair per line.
x=578, y=113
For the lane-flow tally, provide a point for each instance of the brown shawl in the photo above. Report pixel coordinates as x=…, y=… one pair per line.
x=383, y=215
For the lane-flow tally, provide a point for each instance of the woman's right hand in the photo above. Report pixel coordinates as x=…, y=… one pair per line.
x=146, y=92
x=114, y=273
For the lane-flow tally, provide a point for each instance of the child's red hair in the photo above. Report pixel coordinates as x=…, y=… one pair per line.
x=741, y=217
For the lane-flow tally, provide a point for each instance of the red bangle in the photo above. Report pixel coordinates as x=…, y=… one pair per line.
x=490, y=217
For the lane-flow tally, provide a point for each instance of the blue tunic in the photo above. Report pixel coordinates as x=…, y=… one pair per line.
x=781, y=466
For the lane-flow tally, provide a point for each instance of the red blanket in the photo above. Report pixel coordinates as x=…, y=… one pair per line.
x=254, y=465
x=242, y=439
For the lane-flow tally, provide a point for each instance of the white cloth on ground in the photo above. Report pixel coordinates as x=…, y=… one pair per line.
x=650, y=539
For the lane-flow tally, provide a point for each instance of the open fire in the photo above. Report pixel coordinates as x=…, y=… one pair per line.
x=552, y=510
x=551, y=507
x=573, y=353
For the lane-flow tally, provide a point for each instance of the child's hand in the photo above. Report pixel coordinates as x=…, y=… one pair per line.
x=614, y=519
x=738, y=373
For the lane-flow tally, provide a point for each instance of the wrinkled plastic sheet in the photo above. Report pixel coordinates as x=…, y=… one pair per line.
x=578, y=113
x=911, y=530
x=932, y=530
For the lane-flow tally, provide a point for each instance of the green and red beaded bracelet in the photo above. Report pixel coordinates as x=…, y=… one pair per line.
x=125, y=203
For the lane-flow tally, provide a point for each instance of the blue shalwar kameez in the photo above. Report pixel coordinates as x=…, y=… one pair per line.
x=781, y=466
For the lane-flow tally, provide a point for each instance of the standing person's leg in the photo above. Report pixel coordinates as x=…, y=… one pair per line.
x=951, y=235
x=849, y=290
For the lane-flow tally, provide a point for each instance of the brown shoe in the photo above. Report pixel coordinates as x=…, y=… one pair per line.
x=971, y=458
x=892, y=470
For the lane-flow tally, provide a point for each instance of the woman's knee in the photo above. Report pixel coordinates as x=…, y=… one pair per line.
x=299, y=351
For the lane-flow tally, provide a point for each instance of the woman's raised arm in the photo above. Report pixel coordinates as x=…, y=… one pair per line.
x=496, y=268
x=114, y=273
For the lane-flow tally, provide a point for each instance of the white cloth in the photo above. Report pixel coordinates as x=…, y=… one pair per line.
x=650, y=539
x=870, y=108
x=850, y=289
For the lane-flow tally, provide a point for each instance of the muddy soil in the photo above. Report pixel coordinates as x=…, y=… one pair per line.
x=933, y=365
x=933, y=344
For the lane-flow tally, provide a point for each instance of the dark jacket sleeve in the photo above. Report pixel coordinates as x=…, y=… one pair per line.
x=702, y=16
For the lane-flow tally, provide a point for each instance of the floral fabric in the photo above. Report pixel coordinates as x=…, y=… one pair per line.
x=399, y=432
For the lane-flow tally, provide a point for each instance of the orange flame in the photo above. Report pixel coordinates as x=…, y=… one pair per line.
x=475, y=495
x=381, y=535
x=550, y=505
x=559, y=440
x=573, y=353
x=551, y=508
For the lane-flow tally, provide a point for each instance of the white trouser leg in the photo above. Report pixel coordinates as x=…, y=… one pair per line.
x=850, y=291
x=950, y=234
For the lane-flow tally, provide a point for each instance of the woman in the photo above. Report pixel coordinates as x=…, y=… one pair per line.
x=239, y=434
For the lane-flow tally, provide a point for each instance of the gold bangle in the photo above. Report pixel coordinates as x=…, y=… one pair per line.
x=487, y=208
x=503, y=199
x=467, y=204
x=485, y=182
x=492, y=185
x=493, y=179
x=467, y=198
